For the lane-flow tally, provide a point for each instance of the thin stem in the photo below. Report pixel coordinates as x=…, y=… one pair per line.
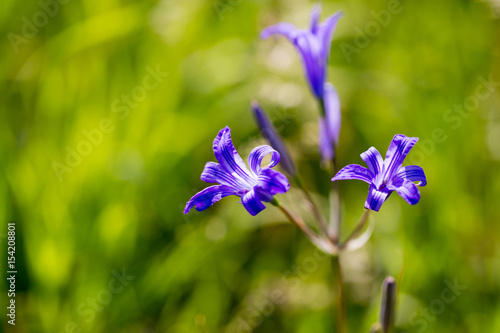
x=315, y=210
x=359, y=227
x=334, y=199
x=296, y=220
x=339, y=307
x=324, y=245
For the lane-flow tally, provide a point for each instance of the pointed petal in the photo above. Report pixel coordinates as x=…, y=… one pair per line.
x=272, y=182
x=252, y=203
x=284, y=28
x=398, y=149
x=354, y=171
x=207, y=197
x=373, y=159
x=376, y=198
x=408, y=191
x=215, y=173
x=410, y=172
x=315, y=15
x=269, y=132
x=257, y=155
x=325, y=32
x=229, y=158
x=332, y=110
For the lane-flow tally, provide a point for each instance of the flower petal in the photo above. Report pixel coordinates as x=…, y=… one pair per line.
x=284, y=28
x=229, y=158
x=373, y=159
x=207, y=197
x=332, y=111
x=314, y=65
x=354, y=171
x=410, y=172
x=269, y=132
x=257, y=155
x=272, y=182
x=325, y=33
x=215, y=173
x=326, y=147
x=376, y=198
x=408, y=191
x=252, y=203
x=315, y=15
x=398, y=149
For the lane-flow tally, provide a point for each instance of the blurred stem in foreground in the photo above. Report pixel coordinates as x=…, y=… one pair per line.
x=339, y=307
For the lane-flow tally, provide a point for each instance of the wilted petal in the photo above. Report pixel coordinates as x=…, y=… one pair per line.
x=229, y=158
x=215, y=173
x=326, y=30
x=332, y=112
x=411, y=172
x=408, y=191
x=269, y=132
x=398, y=149
x=285, y=29
x=273, y=182
x=354, y=171
x=257, y=155
x=252, y=203
x=373, y=159
x=375, y=198
x=207, y=197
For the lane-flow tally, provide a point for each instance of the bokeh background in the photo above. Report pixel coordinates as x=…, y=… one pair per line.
x=117, y=211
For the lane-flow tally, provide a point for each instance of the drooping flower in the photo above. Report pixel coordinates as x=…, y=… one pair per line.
x=254, y=186
x=313, y=45
x=386, y=176
x=269, y=132
x=329, y=125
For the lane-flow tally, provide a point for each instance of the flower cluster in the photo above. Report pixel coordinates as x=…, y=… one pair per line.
x=259, y=184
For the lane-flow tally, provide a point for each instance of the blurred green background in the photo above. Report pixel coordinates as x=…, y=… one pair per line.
x=85, y=67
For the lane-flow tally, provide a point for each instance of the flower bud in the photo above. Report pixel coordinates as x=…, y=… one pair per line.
x=269, y=132
x=387, y=307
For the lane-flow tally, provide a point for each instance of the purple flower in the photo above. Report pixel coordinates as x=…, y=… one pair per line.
x=313, y=45
x=329, y=126
x=387, y=176
x=254, y=186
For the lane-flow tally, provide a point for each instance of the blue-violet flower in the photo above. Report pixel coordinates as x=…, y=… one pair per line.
x=313, y=45
x=254, y=186
x=386, y=176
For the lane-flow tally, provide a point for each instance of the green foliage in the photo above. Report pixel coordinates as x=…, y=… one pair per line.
x=83, y=220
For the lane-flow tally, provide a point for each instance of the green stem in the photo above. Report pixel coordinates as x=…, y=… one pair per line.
x=314, y=208
x=339, y=307
x=359, y=227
